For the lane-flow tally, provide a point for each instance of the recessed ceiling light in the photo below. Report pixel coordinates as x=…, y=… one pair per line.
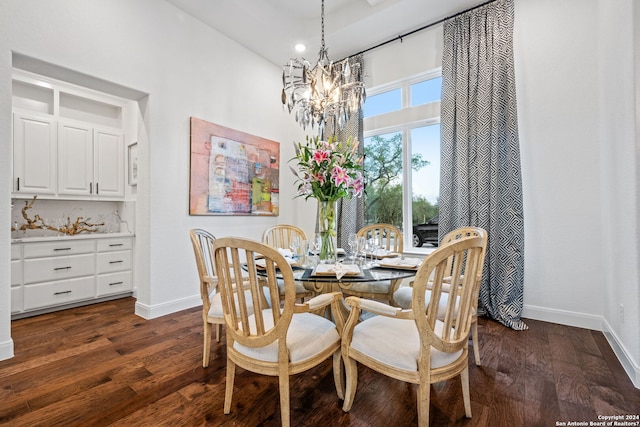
x=300, y=47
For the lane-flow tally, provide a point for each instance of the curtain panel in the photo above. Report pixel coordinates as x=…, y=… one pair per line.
x=480, y=183
x=350, y=212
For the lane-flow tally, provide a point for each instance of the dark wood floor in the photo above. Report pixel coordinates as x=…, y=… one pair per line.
x=102, y=365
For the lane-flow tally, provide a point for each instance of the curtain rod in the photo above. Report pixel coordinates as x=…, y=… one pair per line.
x=424, y=27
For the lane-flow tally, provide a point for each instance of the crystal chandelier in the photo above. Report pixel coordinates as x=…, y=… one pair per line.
x=328, y=90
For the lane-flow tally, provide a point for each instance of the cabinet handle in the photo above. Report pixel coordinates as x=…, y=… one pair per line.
x=91, y=188
x=61, y=249
x=62, y=268
x=97, y=189
x=115, y=244
x=18, y=184
x=62, y=292
x=116, y=262
x=115, y=283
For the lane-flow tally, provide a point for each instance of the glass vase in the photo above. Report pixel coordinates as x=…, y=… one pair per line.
x=327, y=217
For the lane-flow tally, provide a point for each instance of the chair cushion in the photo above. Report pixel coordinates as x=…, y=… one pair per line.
x=216, y=303
x=396, y=343
x=308, y=335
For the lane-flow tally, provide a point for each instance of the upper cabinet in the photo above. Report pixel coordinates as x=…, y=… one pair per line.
x=90, y=161
x=34, y=154
x=68, y=142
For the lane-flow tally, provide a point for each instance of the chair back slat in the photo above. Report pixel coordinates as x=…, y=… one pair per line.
x=202, y=242
x=237, y=257
x=390, y=236
x=449, y=332
x=280, y=236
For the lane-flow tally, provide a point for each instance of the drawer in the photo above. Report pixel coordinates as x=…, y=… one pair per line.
x=114, y=283
x=110, y=262
x=58, y=293
x=114, y=244
x=16, y=273
x=16, y=251
x=58, y=268
x=58, y=248
x=16, y=300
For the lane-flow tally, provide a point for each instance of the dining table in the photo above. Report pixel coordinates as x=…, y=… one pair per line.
x=328, y=281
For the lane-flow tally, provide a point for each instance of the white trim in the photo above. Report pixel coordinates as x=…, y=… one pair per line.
x=563, y=317
x=621, y=352
x=6, y=350
x=153, y=311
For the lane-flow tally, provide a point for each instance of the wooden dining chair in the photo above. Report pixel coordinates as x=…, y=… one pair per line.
x=280, y=340
x=202, y=242
x=416, y=345
x=403, y=296
x=280, y=236
x=391, y=240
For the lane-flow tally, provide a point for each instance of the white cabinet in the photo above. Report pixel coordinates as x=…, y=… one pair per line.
x=108, y=163
x=16, y=278
x=90, y=161
x=34, y=154
x=114, y=266
x=68, y=142
x=46, y=275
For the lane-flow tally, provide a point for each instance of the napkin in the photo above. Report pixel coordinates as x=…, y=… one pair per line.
x=262, y=263
x=340, y=270
x=287, y=253
x=383, y=253
x=399, y=262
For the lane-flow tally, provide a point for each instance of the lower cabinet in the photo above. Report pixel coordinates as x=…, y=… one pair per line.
x=52, y=274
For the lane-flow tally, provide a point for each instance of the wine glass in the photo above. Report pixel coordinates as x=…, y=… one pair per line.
x=353, y=245
x=362, y=243
x=294, y=244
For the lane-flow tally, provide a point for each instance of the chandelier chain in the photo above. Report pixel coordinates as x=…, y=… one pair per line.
x=327, y=91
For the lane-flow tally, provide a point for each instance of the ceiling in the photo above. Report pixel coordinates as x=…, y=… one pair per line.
x=271, y=28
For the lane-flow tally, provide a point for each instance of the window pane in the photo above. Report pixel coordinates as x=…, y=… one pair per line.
x=383, y=178
x=425, y=183
x=381, y=103
x=426, y=91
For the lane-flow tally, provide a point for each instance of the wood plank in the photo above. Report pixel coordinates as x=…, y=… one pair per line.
x=103, y=365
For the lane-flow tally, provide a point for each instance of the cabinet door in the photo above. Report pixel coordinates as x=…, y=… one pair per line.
x=34, y=160
x=75, y=159
x=109, y=164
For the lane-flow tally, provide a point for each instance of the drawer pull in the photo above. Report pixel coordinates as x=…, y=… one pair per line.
x=61, y=249
x=62, y=292
x=62, y=268
x=115, y=262
x=115, y=283
x=111, y=245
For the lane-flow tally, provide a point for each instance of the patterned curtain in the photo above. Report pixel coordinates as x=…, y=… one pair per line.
x=480, y=183
x=350, y=212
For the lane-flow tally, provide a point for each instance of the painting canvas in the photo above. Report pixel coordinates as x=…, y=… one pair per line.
x=232, y=172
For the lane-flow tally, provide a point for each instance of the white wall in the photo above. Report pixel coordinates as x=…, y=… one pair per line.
x=187, y=70
x=575, y=86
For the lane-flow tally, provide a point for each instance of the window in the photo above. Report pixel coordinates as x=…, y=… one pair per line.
x=384, y=102
x=402, y=158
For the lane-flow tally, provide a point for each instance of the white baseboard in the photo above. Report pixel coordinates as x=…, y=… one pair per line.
x=152, y=311
x=563, y=317
x=631, y=368
x=6, y=350
x=587, y=321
